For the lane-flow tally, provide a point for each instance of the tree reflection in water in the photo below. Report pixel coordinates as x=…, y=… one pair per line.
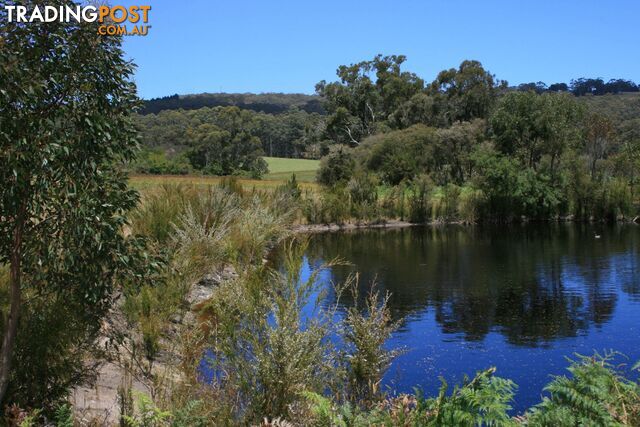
x=531, y=283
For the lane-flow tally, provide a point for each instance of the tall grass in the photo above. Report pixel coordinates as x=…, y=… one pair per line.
x=419, y=203
x=470, y=203
x=159, y=210
x=191, y=231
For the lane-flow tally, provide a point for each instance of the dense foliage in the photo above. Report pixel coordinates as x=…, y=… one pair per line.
x=225, y=140
x=481, y=150
x=273, y=103
x=66, y=100
x=403, y=127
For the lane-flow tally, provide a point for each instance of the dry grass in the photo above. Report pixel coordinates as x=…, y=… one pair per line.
x=146, y=182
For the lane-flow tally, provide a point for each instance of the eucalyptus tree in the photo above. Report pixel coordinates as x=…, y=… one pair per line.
x=367, y=93
x=466, y=93
x=224, y=144
x=66, y=97
x=530, y=126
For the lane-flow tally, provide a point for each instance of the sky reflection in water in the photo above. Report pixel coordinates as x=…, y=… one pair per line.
x=521, y=298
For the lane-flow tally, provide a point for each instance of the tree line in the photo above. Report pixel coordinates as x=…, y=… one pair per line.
x=583, y=86
x=278, y=103
x=225, y=140
x=514, y=153
x=272, y=103
x=378, y=98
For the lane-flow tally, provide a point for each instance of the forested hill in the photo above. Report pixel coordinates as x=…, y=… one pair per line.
x=273, y=103
x=277, y=103
x=391, y=123
x=622, y=108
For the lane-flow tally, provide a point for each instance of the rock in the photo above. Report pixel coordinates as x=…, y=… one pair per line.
x=203, y=290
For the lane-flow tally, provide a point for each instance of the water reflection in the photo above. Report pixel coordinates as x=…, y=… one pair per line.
x=532, y=284
x=521, y=298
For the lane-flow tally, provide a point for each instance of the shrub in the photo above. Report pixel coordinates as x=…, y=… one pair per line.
x=157, y=162
x=336, y=205
x=401, y=155
x=159, y=211
x=287, y=197
x=363, y=195
x=257, y=227
x=362, y=189
x=200, y=231
x=336, y=168
x=365, y=330
x=262, y=345
x=535, y=195
x=312, y=208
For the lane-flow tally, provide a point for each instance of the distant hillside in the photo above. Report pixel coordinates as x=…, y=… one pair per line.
x=273, y=103
x=623, y=109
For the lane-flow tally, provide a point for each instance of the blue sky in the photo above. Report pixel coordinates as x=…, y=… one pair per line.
x=287, y=46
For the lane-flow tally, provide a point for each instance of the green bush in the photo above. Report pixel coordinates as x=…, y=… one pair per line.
x=267, y=350
x=160, y=210
x=336, y=206
x=287, y=198
x=362, y=189
x=336, y=168
x=365, y=330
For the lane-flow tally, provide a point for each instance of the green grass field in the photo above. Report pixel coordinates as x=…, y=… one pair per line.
x=281, y=169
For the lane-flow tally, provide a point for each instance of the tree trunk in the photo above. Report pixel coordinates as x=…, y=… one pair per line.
x=15, y=299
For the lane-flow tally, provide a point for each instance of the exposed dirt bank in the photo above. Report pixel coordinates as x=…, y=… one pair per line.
x=98, y=404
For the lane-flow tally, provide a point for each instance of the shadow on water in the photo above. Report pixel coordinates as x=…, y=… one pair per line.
x=521, y=298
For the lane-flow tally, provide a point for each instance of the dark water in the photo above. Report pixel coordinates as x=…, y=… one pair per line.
x=520, y=298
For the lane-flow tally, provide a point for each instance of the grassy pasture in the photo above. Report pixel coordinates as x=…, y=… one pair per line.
x=280, y=170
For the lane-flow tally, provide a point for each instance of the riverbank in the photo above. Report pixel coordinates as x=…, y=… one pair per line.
x=323, y=228
x=391, y=224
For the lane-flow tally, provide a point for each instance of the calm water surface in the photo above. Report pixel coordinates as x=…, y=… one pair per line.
x=520, y=298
